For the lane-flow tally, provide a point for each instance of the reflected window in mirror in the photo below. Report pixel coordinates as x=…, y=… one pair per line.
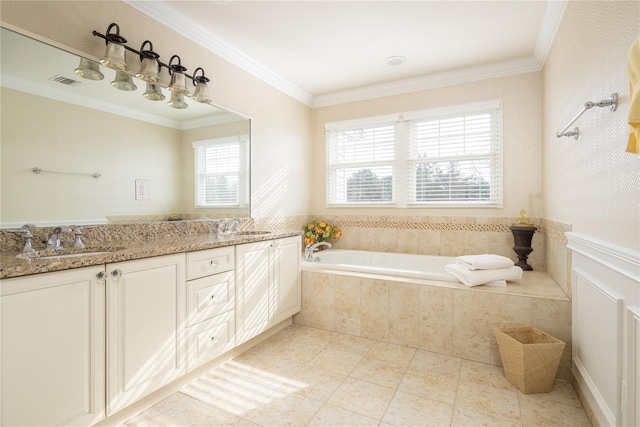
x=221, y=167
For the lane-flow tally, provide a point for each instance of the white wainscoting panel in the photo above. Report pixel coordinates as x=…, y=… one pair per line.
x=605, y=289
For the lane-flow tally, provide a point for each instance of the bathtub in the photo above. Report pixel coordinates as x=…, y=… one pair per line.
x=429, y=267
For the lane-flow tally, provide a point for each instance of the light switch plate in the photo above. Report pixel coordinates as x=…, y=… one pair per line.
x=142, y=189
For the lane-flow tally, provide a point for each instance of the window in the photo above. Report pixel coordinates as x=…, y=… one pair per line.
x=220, y=168
x=437, y=158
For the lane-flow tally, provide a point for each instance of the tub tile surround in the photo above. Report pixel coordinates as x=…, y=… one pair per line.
x=445, y=318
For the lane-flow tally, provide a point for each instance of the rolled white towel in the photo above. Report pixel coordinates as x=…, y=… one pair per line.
x=484, y=261
x=482, y=277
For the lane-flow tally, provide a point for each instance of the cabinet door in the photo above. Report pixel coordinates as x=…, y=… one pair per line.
x=286, y=299
x=253, y=278
x=145, y=327
x=53, y=346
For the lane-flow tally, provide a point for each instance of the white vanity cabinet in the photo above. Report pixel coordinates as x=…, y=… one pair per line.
x=287, y=290
x=267, y=285
x=146, y=327
x=53, y=348
x=211, y=296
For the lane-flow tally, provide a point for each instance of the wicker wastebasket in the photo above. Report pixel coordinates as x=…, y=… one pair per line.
x=530, y=357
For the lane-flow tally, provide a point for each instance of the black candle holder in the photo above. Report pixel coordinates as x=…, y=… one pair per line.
x=522, y=236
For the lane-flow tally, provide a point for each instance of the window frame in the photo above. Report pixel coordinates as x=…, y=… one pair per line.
x=242, y=191
x=403, y=173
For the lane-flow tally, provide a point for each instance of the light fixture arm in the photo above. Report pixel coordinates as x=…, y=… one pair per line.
x=199, y=79
x=148, y=53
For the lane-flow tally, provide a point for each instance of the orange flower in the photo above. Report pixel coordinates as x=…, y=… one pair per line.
x=323, y=224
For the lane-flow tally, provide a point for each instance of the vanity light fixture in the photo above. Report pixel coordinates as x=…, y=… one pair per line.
x=123, y=81
x=150, y=68
x=178, y=79
x=89, y=70
x=114, y=56
x=201, y=94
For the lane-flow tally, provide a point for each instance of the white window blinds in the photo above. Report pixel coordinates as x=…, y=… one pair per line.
x=447, y=157
x=220, y=166
x=455, y=160
x=361, y=165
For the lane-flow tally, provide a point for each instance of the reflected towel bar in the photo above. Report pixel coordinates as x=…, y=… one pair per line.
x=38, y=171
x=611, y=103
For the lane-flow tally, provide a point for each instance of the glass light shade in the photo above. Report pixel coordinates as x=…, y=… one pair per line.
x=177, y=101
x=201, y=94
x=89, y=70
x=153, y=92
x=148, y=70
x=123, y=81
x=114, y=57
x=178, y=83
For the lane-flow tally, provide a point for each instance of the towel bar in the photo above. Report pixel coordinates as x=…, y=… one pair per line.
x=611, y=103
x=38, y=171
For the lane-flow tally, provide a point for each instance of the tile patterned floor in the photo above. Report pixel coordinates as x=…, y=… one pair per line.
x=304, y=376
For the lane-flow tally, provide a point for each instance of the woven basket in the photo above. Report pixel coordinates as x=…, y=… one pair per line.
x=530, y=357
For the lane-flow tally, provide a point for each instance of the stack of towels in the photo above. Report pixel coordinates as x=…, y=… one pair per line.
x=486, y=269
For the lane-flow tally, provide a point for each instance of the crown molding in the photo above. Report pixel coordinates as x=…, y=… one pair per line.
x=165, y=14
x=445, y=78
x=548, y=30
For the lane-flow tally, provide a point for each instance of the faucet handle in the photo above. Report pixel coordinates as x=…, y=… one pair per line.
x=77, y=231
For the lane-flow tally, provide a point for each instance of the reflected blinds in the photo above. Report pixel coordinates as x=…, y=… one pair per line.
x=219, y=168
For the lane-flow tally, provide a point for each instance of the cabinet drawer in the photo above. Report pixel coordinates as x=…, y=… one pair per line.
x=210, y=261
x=209, y=296
x=210, y=339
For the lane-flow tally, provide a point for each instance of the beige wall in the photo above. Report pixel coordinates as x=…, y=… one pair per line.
x=522, y=98
x=57, y=136
x=280, y=126
x=591, y=183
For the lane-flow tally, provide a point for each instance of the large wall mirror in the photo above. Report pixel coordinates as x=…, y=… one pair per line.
x=78, y=151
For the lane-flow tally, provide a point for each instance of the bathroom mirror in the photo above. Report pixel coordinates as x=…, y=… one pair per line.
x=79, y=151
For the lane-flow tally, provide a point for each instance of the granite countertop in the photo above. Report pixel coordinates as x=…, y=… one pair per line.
x=16, y=264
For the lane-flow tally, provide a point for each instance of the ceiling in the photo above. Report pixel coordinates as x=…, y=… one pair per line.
x=328, y=52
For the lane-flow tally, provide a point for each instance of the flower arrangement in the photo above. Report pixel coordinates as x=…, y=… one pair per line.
x=320, y=232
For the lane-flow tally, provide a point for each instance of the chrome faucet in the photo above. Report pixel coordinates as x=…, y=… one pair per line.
x=231, y=225
x=27, y=236
x=54, y=240
x=310, y=249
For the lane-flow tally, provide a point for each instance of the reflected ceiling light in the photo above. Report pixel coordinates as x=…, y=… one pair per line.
x=114, y=56
x=177, y=101
x=201, y=94
x=153, y=92
x=149, y=67
x=178, y=80
x=123, y=81
x=89, y=70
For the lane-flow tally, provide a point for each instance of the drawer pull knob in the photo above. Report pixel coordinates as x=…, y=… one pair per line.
x=213, y=263
x=212, y=299
x=116, y=274
x=100, y=276
x=212, y=341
